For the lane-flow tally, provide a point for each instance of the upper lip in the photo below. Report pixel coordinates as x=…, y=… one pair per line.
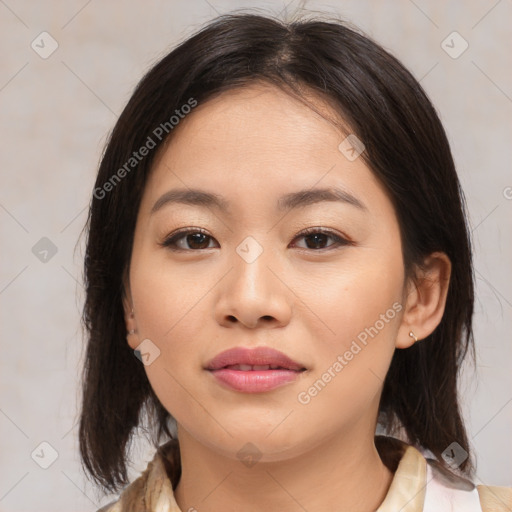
x=253, y=356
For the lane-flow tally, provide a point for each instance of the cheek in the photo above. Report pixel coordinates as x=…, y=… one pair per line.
x=353, y=296
x=164, y=296
x=169, y=313
x=359, y=308
x=352, y=361
x=173, y=307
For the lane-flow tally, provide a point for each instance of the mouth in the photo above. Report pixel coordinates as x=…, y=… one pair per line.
x=254, y=370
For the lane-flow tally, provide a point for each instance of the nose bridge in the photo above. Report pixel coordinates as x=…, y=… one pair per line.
x=251, y=271
x=252, y=290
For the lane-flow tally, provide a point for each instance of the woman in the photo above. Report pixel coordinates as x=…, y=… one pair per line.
x=277, y=262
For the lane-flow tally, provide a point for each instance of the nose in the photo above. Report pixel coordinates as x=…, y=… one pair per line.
x=254, y=294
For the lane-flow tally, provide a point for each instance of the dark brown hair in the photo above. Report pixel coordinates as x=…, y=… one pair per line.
x=407, y=150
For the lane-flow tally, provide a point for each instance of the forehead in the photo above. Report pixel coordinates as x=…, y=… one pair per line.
x=258, y=141
x=260, y=114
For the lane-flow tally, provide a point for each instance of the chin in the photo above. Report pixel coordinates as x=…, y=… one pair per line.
x=250, y=443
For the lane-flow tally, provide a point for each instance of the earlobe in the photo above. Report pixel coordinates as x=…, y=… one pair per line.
x=129, y=319
x=425, y=301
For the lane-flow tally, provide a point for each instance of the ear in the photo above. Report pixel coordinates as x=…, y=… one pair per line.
x=425, y=299
x=129, y=316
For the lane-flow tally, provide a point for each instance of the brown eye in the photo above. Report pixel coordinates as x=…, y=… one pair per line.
x=188, y=240
x=317, y=239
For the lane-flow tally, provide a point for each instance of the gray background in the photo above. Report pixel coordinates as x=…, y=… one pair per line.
x=56, y=113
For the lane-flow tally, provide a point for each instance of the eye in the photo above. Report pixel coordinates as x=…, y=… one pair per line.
x=318, y=236
x=196, y=238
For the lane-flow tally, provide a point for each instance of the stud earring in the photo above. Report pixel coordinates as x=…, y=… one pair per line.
x=131, y=331
x=412, y=335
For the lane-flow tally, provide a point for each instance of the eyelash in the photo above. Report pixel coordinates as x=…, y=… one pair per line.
x=170, y=241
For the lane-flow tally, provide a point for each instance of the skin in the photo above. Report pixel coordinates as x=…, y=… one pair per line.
x=251, y=146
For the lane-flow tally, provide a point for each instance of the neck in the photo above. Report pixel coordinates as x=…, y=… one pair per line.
x=343, y=473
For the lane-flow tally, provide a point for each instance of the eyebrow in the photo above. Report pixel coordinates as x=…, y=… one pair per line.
x=292, y=200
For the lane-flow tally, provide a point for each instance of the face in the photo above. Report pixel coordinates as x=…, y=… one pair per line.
x=244, y=274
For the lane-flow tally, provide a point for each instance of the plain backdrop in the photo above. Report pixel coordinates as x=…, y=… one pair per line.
x=56, y=112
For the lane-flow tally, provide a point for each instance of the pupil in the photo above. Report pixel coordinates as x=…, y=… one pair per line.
x=197, y=240
x=315, y=237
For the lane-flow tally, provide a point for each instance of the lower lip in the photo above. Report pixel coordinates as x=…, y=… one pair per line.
x=256, y=381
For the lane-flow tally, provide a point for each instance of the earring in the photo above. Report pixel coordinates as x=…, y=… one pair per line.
x=131, y=331
x=412, y=335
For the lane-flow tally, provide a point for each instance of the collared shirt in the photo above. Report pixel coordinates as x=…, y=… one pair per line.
x=419, y=485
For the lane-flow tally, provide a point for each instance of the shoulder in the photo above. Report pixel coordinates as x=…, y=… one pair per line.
x=133, y=495
x=495, y=498
x=154, y=486
x=435, y=488
x=131, y=498
x=457, y=493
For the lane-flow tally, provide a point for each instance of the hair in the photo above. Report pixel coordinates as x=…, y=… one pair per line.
x=405, y=147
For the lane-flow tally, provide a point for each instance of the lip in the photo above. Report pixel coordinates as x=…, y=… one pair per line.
x=253, y=356
x=250, y=380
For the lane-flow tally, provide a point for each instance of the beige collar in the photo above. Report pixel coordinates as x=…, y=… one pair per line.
x=407, y=490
